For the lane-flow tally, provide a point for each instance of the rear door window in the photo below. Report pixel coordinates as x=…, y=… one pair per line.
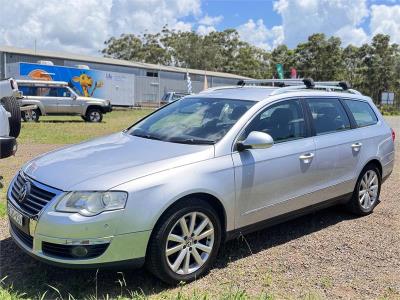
x=362, y=112
x=328, y=115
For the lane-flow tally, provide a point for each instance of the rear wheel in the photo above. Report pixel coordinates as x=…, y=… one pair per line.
x=185, y=243
x=367, y=191
x=31, y=116
x=94, y=115
x=11, y=105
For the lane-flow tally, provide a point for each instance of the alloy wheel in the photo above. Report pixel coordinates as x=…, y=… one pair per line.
x=189, y=243
x=94, y=116
x=368, y=191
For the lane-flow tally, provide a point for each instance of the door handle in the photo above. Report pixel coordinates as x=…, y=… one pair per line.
x=356, y=146
x=306, y=158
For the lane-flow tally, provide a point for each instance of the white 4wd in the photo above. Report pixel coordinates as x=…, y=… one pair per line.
x=57, y=98
x=10, y=117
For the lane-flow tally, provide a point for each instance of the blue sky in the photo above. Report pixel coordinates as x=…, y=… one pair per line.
x=83, y=26
x=235, y=12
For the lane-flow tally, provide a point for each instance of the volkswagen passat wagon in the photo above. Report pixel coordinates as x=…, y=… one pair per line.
x=167, y=191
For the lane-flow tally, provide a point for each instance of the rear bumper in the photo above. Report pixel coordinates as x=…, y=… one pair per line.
x=8, y=146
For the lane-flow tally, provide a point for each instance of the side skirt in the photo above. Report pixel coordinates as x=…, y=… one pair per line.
x=286, y=217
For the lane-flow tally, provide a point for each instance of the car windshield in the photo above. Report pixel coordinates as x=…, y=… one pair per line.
x=192, y=120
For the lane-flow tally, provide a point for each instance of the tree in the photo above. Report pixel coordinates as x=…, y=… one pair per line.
x=319, y=58
x=371, y=68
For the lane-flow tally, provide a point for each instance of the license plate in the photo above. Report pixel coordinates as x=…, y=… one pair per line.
x=15, y=215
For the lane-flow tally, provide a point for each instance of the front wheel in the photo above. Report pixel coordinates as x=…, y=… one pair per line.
x=367, y=191
x=185, y=243
x=94, y=115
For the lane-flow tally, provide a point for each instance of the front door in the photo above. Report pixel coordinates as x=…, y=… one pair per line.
x=67, y=104
x=274, y=181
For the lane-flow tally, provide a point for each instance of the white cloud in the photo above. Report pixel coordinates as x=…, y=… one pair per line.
x=210, y=21
x=386, y=19
x=301, y=18
x=207, y=24
x=204, y=30
x=83, y=26
x=351, y=35
x=256, y=33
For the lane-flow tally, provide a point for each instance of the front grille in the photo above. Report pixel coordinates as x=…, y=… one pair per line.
x=35, y=200
x=25, y=238
x=65, y=251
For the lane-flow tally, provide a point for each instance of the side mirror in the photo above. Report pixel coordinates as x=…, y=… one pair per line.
x=256, y=140
x=74, y=97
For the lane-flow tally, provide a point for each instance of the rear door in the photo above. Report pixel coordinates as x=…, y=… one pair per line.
x=337, y=146
x=48, y=96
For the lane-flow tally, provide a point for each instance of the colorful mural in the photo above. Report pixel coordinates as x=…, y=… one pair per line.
x=86, y=83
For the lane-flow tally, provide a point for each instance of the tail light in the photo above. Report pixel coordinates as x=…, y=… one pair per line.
x=393, y=134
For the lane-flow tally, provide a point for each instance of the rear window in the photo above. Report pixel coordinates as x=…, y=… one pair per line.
x=362, y=112
x=44, y=91
x=328, y=115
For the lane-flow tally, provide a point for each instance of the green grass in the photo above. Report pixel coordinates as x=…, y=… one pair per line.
x=70, y=130
x=389, y=110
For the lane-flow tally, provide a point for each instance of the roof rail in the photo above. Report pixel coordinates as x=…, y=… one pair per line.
x=286, y=85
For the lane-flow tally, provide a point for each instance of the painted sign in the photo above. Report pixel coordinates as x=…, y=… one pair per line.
x=113, y=86
x=87, y=83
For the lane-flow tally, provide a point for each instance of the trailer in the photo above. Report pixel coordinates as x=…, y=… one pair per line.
x=113, y=86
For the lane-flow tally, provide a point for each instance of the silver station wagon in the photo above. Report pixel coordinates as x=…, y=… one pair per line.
x=169, y=190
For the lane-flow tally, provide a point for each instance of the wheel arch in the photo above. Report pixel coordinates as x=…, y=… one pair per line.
x=93, y=106
x=212, y=200
x=374, y=162
x=39, y=105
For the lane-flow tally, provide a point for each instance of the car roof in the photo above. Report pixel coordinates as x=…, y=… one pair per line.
x=24, y=82
x=238, y=92
x=264, y=93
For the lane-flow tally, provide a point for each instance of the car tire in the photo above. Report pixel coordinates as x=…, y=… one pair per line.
x=366, y=193
x=94, y=115
x=33, y=118
x=11, y=105
x=194, y=257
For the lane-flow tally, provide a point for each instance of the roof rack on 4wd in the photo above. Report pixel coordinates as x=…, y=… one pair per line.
x=287, y=85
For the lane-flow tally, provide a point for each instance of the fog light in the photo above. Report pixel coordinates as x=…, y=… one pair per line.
x=79, y=251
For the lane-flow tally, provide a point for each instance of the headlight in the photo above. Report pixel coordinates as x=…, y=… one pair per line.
x=92, y=203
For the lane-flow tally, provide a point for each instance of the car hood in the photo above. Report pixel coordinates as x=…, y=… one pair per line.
x=106, y=162
x=92, y=99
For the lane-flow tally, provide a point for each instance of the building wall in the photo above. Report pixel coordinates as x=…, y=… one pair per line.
x=149, y=85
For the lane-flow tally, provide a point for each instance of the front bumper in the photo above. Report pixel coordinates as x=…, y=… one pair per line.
x=8, y=146
x=107, y=109
x=124, y=250
x=54, y=237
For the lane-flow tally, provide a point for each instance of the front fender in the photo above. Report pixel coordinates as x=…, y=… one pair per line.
x=151, y=196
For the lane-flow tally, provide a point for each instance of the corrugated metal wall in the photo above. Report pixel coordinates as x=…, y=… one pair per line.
x=146, y=89
x=151, y=89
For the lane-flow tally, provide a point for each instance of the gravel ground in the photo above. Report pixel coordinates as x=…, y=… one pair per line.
x=328, y=254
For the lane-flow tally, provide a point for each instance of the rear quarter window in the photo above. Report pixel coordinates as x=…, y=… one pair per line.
x=362, y=112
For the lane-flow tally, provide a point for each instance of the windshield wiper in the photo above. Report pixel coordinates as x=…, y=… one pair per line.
x=191, y=141
x=147, y=136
